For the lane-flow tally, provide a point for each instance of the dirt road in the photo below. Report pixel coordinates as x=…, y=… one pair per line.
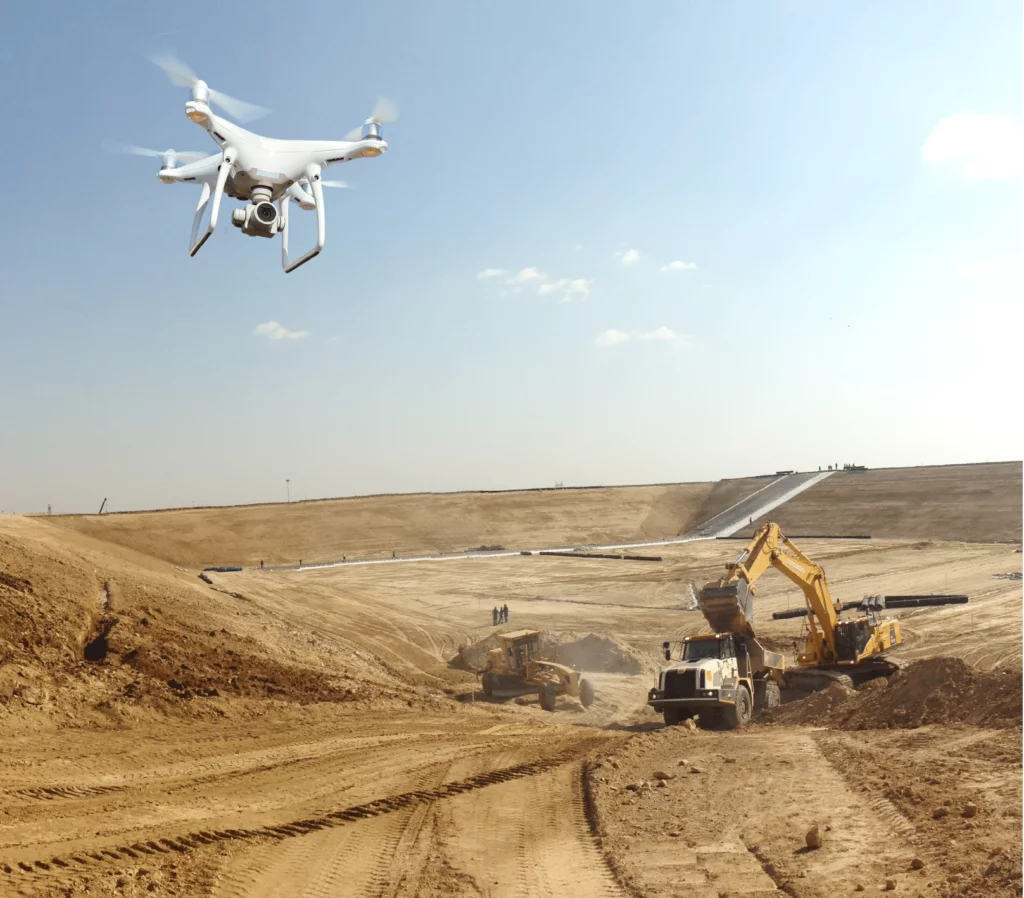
x=303, y=803
x=315, y=732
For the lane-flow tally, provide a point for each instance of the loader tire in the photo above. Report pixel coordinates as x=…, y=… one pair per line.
x=766, y=695
x=488, y=684
x=737, y=715
x=548, y=698
x=586, y=693
x=673, y=717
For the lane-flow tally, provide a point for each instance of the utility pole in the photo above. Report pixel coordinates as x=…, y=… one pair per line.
x=288, y=487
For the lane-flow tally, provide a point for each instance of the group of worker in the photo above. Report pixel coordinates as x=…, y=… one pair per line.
x=499, y=615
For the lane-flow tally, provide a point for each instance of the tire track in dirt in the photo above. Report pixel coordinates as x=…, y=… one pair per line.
x=352, y=860
x=51, y=793
x=191, y=841
x=527, y=838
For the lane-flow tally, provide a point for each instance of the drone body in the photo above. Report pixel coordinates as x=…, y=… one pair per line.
x=265, y=172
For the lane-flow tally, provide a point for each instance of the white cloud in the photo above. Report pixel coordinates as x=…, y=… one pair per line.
x=490, y=273
x=275, y=331
x=629, y=256
x=525, y=275
x=611, y=337
x=679, y=266
x=662, y=333
x=983, y=146
x=666, y=335
x=570, y=288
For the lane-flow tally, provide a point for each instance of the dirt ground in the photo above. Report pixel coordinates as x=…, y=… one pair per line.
x=979, y=503
x=375, y=526
x=313, y=732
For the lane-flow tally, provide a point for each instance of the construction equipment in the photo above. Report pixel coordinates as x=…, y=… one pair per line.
x=724, y=676
x=720, y=679
x=849, y=651
x=516, y=668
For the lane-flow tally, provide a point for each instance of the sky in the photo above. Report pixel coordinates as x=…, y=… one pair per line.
x=609, y=243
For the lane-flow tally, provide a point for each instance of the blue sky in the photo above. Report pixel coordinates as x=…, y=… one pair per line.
x=845, y=178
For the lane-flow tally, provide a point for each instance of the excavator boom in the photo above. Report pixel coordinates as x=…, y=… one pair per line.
x=728, y=604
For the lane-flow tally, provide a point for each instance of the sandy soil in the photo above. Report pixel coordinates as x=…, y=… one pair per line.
x=974, y=503
x=376, y=526
x=307, y=732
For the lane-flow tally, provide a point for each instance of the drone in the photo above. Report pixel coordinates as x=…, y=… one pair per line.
x=260, y=170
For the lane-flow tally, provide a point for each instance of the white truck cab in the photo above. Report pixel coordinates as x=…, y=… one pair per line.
x=719, y=678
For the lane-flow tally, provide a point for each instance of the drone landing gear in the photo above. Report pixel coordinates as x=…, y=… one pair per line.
x=313, y=176
x=224, y=169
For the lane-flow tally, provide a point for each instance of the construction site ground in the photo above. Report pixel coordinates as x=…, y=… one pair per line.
x=317, y=732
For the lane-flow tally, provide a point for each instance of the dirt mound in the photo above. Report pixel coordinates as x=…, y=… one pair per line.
x=932, y=691
x=590, y=653
x=90, y=635
x=598, y=654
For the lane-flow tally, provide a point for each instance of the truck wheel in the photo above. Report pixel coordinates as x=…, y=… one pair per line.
x=673, y=717
x=488, y=685
x=548, y=698
x=586, y=693
x=766, y=695
x=738, y=714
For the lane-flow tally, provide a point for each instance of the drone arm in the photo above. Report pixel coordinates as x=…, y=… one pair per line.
x=313, y=176
x=218, y=193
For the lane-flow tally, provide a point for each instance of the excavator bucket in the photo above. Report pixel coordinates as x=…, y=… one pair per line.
x=728, y=609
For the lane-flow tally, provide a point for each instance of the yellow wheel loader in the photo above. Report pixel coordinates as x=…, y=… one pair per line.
x=516, y=668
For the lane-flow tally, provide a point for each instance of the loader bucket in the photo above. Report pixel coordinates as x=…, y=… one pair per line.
x=728, y=609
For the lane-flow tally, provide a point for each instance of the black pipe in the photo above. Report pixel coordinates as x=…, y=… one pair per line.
x=913, y=601
x=890, y=602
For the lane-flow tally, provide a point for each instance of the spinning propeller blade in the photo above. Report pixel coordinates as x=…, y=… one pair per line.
x=181, y=75
x=385, y=111
x=335, y=183
x=112, y=146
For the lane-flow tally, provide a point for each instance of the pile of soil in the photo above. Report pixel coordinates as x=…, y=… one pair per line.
x=931, y=691
x=589, y=653
x=84, y=635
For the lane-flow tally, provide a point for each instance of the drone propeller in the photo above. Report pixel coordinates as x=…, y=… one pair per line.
x=184, y=156
x=384, y=111
x=181, y=75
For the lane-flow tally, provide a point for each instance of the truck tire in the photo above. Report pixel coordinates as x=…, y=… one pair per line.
x=586, y=693
x=673, y=717
x=737, y=715
x=766, y=695
x=548, y=698
x=488, y=684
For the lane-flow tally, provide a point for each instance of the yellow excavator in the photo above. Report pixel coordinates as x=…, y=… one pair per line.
x=849, y=651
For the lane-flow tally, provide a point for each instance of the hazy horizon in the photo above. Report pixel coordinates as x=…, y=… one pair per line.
x=674, y=242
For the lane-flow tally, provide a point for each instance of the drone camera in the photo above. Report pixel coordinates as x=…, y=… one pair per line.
x=258, y=219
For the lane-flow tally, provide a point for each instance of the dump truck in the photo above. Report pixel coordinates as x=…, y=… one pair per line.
x=517, y=668
x=719, y=678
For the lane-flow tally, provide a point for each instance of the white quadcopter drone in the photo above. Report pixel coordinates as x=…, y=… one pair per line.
x=261, y=170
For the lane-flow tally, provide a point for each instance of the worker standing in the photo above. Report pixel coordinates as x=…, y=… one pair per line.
x=261, y=564
x=504, y=613
x=494, y=616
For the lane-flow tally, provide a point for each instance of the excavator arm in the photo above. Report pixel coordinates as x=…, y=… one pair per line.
x=770, y=548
